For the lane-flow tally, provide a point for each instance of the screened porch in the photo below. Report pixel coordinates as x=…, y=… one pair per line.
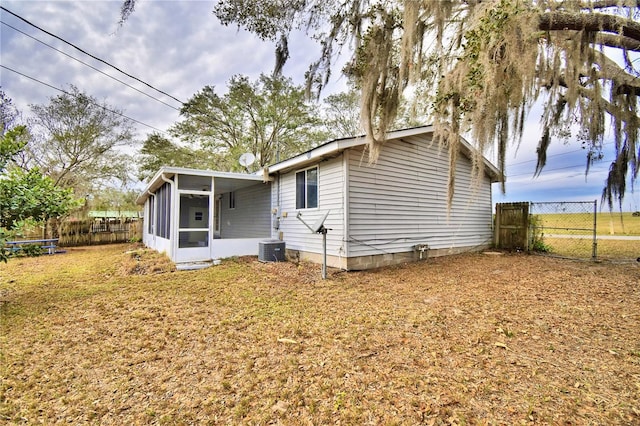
x=196, y=215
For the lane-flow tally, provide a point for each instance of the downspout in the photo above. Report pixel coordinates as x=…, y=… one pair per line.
x=346, y=216
x=173, y=240
x=279, y=207
x=213, y=203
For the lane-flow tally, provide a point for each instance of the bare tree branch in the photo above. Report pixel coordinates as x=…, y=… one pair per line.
x=618, y=42
x=605, y=4
x=595, y=22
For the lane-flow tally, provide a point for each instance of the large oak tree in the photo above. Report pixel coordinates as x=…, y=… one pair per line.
x=158, y=151
x=269, y=118
x=482, y=64
x=78, y=141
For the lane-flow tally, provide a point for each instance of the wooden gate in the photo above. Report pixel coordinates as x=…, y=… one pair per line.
x=512, y=226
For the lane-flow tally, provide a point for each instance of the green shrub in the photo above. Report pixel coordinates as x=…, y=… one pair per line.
x=540, y=246
x=536, y=238
x=4, y=252
x=31, y=250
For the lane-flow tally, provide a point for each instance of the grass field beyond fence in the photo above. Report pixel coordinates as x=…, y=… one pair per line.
x=607, y=223
x=108, y=335
x=579, y=226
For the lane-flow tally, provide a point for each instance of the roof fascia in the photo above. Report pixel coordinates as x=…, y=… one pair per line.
x=169, y=172
x=338, y=145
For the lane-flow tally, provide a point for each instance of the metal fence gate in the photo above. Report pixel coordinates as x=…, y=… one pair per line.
x=565, y=228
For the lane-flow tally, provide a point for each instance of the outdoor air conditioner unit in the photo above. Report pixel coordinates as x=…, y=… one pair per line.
x=271, y=251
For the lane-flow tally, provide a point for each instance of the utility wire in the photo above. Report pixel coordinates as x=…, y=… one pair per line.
x=552, y=156
x=549, y=156
x=90, y=55
x=89, y=65
x=551, y=170
x=110, y=65
x=71, y=94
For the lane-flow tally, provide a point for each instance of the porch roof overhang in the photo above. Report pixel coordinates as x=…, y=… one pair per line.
x=223, y=181
x=334, y=148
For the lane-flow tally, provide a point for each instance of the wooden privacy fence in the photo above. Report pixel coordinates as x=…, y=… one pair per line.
x=91, y=232
x=511, y=231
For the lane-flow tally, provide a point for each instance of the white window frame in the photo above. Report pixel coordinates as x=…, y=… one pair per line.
x=306, y=188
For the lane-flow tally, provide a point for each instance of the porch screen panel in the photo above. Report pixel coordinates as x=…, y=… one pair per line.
x=163, y=213
x=151, y=201
x=194, y=211
x=194, y=183
x=194, y=220
x=159, y=214
x=167, y=212
x=193, y=239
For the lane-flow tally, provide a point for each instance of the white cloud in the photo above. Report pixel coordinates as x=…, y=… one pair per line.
x=179, y=47
x=175, y=46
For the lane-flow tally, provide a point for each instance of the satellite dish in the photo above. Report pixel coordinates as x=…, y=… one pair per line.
x=247, y=159
x=318, y=228
x=319, y=225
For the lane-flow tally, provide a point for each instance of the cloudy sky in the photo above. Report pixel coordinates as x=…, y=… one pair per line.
x=179, y=47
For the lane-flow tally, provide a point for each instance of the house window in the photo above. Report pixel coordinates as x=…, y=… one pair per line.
x=232, y=200
x=307, y=189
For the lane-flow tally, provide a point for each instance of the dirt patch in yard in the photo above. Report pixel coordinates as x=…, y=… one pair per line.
x=470, y=339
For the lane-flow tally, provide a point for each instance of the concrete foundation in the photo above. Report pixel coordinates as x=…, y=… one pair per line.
x=361, y=263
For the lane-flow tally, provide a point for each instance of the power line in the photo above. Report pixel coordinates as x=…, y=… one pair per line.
x=90, y=55
x=100, y=60
x=89, y=65
x=552, y=156
x=71, y=94
x=552, y=170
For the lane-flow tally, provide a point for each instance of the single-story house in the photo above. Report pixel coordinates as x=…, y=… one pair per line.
x=392, y=211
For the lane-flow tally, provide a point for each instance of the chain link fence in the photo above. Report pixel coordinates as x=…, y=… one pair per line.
x=564, y=228
x=573, y=229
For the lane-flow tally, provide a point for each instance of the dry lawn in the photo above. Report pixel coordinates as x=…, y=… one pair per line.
x=101, y=336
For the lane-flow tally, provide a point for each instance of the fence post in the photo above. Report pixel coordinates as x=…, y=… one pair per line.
x=496, y=226
x=594, y=249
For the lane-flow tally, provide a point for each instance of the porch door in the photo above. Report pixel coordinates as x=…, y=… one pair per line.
x=193, y=232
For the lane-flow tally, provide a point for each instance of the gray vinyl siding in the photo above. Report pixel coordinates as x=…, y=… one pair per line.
x=251, y=216
x=401, y=201
x=330, y=197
